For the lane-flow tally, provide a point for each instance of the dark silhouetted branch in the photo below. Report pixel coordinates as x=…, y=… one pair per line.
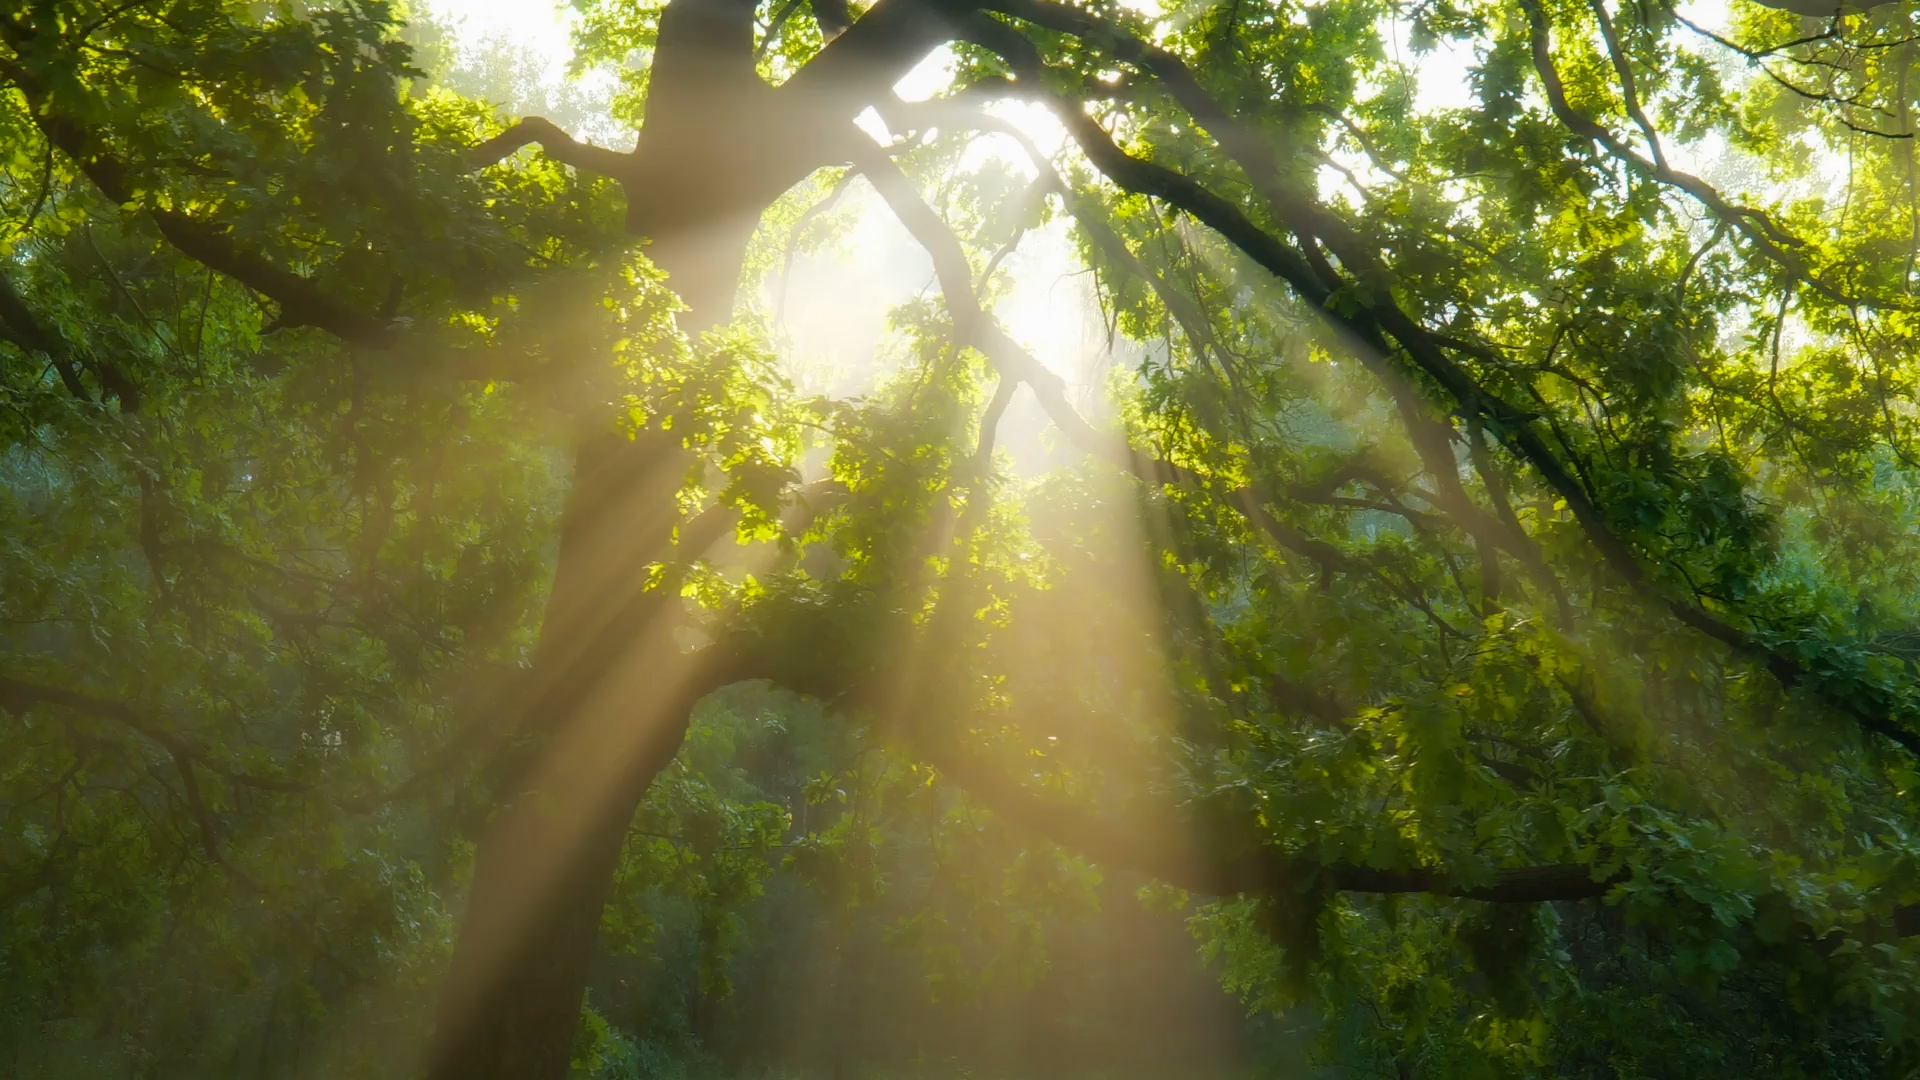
x=301, y=301
x=1167, y=853
x=1379, y=319
x=833, y=16
x=860, y=65
x=1759, y=229
x=558, y=145
x=19, y=326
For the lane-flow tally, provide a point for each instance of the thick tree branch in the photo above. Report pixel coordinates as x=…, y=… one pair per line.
x=978, y=328
x=1379, y=319
x=1251, y=149
x=1523, y=544
x=833, y=16
x=1170, y=855
x=19, y=326
x=18, y=696
x=859, y=66
x=558, y=145
x=302, y=302
x=1205, y=858
x=1209, y=863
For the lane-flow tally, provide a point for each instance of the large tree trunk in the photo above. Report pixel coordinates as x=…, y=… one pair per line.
x=610, y=687
x=606, y=711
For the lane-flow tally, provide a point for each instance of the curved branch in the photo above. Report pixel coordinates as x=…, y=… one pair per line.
x=1759, y=228
x=1193, y=322
x=212, y=244
x=558, y=145
x=17, y=696
x=1247, y=868
x=972, y=324
x=1629, y=90
x=1370, y=318
x=19, y=326
x=860, y=65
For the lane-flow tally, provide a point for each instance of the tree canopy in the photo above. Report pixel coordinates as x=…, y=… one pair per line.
x=1484, y=606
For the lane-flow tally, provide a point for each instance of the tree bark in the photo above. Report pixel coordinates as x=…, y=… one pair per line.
x=610, y=688
x=605, y=711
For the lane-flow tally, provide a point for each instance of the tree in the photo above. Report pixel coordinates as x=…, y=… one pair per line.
x=1524, y=516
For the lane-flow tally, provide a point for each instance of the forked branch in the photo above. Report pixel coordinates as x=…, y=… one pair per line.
x=558, y=145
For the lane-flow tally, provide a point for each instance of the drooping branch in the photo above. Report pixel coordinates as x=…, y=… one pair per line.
x=1221, y=859
x=19, y=326
x=1629, y=90
x=188, y=755
x=213, y=244
x=1375, y=320
x=17, y=696
x=833, y=16
x=1229, y=862
x=949, y=112
x=1429, y=438
x=1212, y=861
x=977, y=328
x=1253, y=502
x=1757, y=57
x=972, y=324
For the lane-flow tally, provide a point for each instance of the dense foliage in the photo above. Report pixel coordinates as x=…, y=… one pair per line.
x=1489, y=622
